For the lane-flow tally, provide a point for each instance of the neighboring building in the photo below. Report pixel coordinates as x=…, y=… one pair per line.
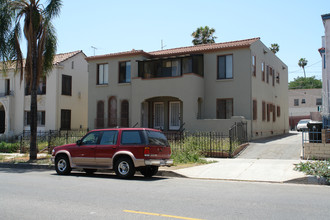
x=325, y=54
x=62, y=97
x=198, y=88
x=304, y=104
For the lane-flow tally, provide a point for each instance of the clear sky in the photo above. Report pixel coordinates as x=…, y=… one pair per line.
x=115, y=26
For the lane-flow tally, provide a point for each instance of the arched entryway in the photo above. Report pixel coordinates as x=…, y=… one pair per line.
x=163, y=113
x=2, y=119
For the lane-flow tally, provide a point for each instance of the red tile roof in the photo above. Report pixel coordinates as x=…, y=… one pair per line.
x=181, y=50
x=64, y=56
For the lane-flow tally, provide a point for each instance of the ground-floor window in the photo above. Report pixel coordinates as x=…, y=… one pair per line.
x=65, y=119
x=224, y=108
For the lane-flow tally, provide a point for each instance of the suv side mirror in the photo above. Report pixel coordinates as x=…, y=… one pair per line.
x=79, y=142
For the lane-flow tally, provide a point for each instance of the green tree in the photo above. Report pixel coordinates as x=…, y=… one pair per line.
x=39, y=33
x=302, y=63
x=203, y=35
x=274, y=48
x=305, y=83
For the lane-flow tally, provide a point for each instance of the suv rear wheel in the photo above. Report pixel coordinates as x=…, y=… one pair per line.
x=124, y=167
x=62, y=165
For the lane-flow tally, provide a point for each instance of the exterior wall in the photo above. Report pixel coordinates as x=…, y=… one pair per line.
x=270, y=93
x=319, y=151
x=303, y=110
x=326, y=69
x=237, y=88
x=17, y=103
x=78, y=100
x=122, y=91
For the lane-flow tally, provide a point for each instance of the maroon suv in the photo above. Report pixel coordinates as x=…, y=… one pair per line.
x=125, y=150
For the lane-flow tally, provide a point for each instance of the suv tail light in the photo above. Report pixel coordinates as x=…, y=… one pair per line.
x=147, y=151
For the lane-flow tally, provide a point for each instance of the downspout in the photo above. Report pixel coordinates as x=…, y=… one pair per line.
x=251, y=98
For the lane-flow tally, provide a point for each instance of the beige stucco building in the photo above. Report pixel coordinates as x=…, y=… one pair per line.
x=198, y=88
x=62, y=97
x=304, y=104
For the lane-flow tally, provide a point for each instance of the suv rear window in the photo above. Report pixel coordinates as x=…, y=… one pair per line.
x=131, y=137
x=157, y=138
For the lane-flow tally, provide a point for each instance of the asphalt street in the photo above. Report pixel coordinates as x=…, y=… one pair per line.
x=36, y=194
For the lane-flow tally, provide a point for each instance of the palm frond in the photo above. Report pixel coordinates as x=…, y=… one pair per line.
x=53, y=9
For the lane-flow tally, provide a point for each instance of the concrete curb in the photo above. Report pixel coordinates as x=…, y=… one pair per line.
x=308, y=180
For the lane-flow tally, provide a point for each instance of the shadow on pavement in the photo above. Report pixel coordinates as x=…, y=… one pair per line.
x=273, y=138
x=111, y=175
x=309, y=180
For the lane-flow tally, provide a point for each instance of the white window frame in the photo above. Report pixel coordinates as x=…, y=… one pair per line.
x=161, y=123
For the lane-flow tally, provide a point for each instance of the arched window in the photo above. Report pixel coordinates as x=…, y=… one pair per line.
x=124, y=114
x=100, y=114
x=112, y=112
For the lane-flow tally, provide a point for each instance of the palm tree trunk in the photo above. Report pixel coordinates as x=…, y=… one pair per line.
x=34, y=108
x=304, y=72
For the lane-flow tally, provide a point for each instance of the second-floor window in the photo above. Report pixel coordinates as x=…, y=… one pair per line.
x=102, y=74
x=296, y=102
x=254, y=66
x=318, y=101
x=225, y=67
x=41, y=87
x=125, y=72
x=171, y=67
x=66, y=85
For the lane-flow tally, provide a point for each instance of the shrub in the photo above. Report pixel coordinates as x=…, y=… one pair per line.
x=315, y=168
x=190, y=152
x=9, y=147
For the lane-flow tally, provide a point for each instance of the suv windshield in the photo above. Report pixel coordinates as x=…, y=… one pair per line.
x=156, y=138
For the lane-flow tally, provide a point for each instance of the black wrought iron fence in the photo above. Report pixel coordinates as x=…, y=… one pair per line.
x=210, y=144
x=46, y=140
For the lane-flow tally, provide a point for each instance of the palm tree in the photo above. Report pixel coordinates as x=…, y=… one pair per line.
x=274, y=48
x=302, y=63
x=41, y=46
x=203, y=35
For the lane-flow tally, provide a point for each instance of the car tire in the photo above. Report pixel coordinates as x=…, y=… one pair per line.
x=62, y=165
x=90, y=171
x=149, y=171
x=124, y=167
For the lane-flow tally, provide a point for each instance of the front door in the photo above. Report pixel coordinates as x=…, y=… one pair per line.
x=159, y=115
x=174, y=120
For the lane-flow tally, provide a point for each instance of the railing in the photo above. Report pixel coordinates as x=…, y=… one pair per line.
x=210, y=144
x=312, y=136
x=46, y=140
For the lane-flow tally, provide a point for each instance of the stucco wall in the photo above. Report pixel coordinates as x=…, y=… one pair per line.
x=263, y=91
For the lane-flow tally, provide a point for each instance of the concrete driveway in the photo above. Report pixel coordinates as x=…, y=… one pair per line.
x=286, y=147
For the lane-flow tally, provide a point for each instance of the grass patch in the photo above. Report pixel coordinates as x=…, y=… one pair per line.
x=25, y=158
x=315, y=168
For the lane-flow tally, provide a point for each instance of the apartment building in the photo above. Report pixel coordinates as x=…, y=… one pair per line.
x=199, y=88
x=325, y=55
x=304, y=104
x=62, y=97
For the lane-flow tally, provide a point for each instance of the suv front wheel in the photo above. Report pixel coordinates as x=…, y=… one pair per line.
x=62, y=165
x=124, y=167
